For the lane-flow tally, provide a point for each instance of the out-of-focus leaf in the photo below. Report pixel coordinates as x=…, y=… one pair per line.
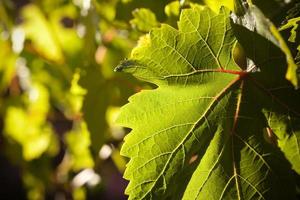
x=50, y=5
x=37, y=176
x=173, y=9
x=106, y=10
x=77, y=94
x=118, y=160
x=32, y=131
x=79, y=194
x=34, y=186
x=144, y=20
x=78, y=142
x=5, y=18
x=216, y=5
x=124, y=9
x=117, y=132
x=7, y=64
x=40, y=33
x=64, y=26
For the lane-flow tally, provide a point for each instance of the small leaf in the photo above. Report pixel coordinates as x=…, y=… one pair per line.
x=32, y=132
x=216, y=5
x=144, y=20
x=78, y=143
x=173, y=9
x=7, y=64
x=125, y=8
x=39, y=31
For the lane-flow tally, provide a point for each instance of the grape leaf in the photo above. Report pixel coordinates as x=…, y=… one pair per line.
x=7, y=64
x=125, y=8
x=39, y=31
x=33, y=133
x=216, y=5
x=144, y=20
x=79, y=151
x=266, y=56
x=207, y=131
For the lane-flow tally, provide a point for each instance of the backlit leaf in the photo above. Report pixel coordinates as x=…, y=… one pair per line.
x=201, y=134
x=39, y=31
x=144, y=20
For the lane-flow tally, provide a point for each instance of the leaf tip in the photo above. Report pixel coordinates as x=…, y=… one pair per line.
x=124, y=64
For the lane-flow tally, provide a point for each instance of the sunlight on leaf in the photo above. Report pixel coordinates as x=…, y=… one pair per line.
x=39, y=31
x=144, y=20
x=31, y=132
x=78, y=142
x=216, y=5
x=193, y=129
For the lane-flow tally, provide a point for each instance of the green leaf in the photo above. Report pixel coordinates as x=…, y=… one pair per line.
x=255, y=20
x=78, y=143
x=144, y=20
x=268, y=57
x=173, y=9
x=201, y=133
x=39, y=31
x=216, y=5
x=125, y=8
x=32, y=132
x=66, y=37
x=7, y=64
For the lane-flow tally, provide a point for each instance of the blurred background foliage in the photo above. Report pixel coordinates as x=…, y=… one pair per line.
x=60, y=95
